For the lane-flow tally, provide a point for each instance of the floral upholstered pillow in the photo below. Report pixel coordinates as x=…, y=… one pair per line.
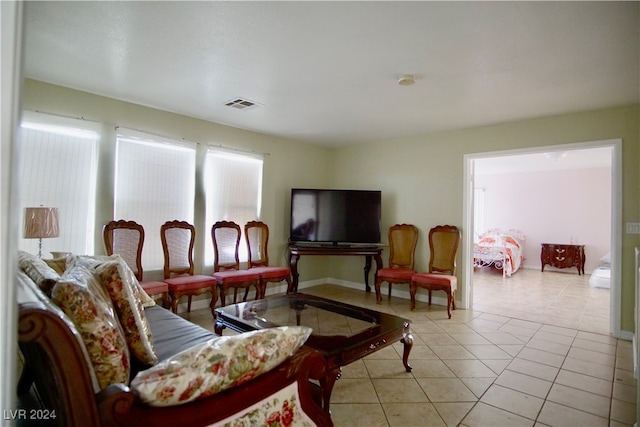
x=38, y=271
x=94, y=261
x=217, y=365
x=118, y=279
x=78, y=295
x=280, y=409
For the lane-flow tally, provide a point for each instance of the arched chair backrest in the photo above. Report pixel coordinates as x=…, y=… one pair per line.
x=125, y=238
x=444, y=241
x=226, y=242
x=178, y=238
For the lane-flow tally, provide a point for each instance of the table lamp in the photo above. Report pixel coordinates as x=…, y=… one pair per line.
x=40, y=223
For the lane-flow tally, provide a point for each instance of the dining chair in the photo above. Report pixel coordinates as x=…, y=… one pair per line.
x=403, y=239
x=126, y=238
x=444, y=241
x=226, y=265
x=178, y=238
x=256, y=234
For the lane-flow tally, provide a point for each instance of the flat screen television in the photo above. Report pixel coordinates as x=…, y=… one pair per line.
x=335, y=216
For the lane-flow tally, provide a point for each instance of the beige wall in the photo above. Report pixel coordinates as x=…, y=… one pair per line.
x=288, y=164
x=421, y=178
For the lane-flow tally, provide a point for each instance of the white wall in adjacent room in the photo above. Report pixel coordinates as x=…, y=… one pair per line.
x=561, y=206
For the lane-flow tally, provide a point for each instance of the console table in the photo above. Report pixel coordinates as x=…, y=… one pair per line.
x=369, y=252
x=563, y=256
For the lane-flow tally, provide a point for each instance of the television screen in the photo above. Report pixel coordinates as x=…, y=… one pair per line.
x=335, y=216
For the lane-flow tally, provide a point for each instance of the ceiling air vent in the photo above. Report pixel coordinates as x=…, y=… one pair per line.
x=241, y=104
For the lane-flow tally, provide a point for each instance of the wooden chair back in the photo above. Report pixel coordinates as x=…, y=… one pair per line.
x=178, y=238
x=256, y=234
x=125, y=238
x=226, y=241
x=403, y=239
x=444, y=241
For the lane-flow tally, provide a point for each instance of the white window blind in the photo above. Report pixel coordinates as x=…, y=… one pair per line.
x=154, y=183
x=59, y=169
x=233, y=187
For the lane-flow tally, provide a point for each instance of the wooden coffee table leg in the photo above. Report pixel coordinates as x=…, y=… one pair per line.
x=327, y=383
x=218, y=325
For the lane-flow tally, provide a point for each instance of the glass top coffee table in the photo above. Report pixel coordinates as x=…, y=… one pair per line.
x=343, y=333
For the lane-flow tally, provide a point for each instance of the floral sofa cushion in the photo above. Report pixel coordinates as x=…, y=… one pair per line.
x=279, y=409
x=43, y=275
x=84, y=301
x=217, y=365
x=120, y=282
x=96, y=260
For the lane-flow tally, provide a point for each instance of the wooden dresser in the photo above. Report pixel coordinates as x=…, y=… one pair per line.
x=563, y=256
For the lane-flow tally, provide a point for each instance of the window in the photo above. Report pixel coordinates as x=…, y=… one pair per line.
x=59, y=169
x=233, y=187
x=154, y=183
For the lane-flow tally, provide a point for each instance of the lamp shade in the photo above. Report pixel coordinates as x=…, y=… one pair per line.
x=40, y=223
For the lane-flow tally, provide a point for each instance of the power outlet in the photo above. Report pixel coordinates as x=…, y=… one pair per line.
x=633, y=228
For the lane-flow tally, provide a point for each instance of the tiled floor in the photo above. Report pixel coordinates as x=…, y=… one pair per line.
x=534, y=352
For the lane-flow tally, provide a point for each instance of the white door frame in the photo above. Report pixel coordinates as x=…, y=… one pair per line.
x=616, y=218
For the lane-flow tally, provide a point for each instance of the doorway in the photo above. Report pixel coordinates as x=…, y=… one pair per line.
x=472, y=161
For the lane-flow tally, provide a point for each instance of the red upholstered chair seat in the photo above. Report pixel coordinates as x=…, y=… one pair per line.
x=444, y=281
x=271, y=272
x=188, y=283
x=152, y=287
x=235, y=276
x=396, y=274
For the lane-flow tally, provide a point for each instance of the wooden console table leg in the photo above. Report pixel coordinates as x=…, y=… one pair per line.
x=293, y=265
x=378, y=260
x=407, y=340
x=367, y=269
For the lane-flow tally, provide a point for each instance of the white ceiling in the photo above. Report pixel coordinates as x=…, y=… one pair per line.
x=326, y=72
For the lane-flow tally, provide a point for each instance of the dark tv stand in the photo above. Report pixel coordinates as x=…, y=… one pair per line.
x=297, y=250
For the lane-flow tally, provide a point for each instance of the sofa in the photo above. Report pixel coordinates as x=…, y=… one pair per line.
x=189, y=376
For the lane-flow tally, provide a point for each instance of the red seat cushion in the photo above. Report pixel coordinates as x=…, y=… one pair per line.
x=235, y=276
x=443, y=281
x=396, y=273
x=186, y=283
x=271, y=272
x=152, y=287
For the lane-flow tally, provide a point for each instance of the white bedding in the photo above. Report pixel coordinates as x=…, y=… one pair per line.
x=601, y=277
x=502, y=250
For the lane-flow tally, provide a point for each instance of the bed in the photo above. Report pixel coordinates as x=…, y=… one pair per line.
x=502, y=250
x=601, y=276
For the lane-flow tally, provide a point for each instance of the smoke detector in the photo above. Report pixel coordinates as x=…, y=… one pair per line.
x=406, y=80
